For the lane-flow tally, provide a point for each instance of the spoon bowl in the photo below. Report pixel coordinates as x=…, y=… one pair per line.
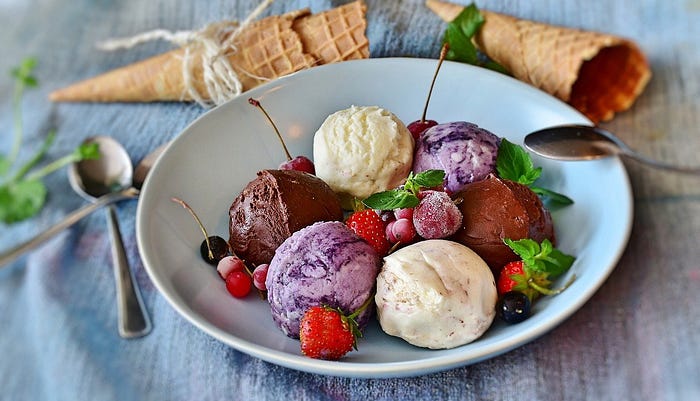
x=92, y=180
x=583, y=142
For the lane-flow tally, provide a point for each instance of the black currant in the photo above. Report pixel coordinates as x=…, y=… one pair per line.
x=513, y=307
x=219, y=249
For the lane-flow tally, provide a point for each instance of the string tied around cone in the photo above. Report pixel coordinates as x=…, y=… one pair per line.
x=216, y=40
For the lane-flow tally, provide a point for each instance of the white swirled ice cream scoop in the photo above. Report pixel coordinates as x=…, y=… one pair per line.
x=362, y=150
x=435, y=294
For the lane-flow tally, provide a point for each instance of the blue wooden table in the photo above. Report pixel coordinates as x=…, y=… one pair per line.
x=636, y=339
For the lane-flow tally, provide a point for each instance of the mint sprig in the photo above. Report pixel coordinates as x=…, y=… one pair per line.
x=541, y=257
x=515, y=164
x=22, y=193
x=459, y=34
x=407, y=195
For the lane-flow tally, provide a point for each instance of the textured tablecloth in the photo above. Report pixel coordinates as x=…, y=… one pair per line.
x=636, y=339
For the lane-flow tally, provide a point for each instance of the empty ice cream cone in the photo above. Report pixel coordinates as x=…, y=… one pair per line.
x=264, y=50
x=598, y=74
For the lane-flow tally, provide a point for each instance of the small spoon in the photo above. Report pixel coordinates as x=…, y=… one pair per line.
x=140, y=173
x=92, y=179
x=583, y=142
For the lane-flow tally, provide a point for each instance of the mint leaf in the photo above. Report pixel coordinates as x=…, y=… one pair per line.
x=429, y=178
x=407, y=195
x=514, y=163
x=553, y=198
x=21, y=200
x=459, y=34
x=390, y=200
x=23, y=72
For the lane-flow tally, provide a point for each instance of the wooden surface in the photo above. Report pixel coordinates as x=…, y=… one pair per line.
x=638, y=338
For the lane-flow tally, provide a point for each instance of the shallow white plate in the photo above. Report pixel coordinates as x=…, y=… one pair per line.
x=209, y=163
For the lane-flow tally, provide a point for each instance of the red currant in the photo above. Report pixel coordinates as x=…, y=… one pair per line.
x=238, y=284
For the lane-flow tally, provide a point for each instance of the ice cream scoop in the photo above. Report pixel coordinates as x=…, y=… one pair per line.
x=466, y=153
x=494, y=209
x=362, y=150
x=323, y=264
x=435, y=294
x=272, y=207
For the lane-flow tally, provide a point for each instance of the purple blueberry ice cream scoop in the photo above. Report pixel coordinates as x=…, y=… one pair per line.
x=325, y=263
x=466, y=152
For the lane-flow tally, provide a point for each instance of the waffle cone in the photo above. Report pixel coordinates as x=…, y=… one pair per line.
x=598, y=74
x=335, y=35
x=265, y=49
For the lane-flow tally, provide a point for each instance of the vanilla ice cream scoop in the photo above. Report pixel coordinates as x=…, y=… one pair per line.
x=435, y=294
x=362, y=150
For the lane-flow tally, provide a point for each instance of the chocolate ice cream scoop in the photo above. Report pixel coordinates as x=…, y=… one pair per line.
x=494, y=209
x=275, y=205
x=466, y=153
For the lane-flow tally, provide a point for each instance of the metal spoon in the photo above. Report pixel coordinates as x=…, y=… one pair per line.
x=140, y=173
x=92, y=179
x=583, y=142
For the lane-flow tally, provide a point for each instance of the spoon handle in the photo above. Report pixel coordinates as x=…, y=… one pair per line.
x=658, y=164
x=133, y=319
x=14, y=253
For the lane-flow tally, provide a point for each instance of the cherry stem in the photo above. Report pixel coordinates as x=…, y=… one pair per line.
x=443, y=53
x=258, y=105
x=199, y=222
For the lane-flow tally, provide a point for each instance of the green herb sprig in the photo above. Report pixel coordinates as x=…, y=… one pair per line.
x=22, y=193
x=514, y=163
x=407, y=195
x=459, y=34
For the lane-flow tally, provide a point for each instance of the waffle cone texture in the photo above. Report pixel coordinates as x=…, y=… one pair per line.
x=598, y=74
x=264, y=50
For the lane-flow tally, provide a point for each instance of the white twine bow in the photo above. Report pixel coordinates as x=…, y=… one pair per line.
x=216, y=40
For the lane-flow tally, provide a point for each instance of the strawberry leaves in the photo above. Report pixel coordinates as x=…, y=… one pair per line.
x=542, y=257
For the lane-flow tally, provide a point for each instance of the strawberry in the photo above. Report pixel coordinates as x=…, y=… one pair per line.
x=326, y=333
x=369, y=226
x=531, y=275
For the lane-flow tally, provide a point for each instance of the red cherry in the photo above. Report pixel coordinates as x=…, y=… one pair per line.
x=417, y=127
x=299, y=163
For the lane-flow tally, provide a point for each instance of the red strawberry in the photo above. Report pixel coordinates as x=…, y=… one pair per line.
x=516, y=277
x=325, y=333
x=370, y=227
x=531, y=275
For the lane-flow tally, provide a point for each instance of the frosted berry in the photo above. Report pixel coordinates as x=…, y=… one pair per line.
x=436, y=216
x=228, y=265
x=259, y=276
x=401, y=231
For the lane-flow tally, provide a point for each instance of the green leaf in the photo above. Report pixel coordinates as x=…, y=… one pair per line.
x=514, y=163
x=22, y=200
x=553, y=198
x=541, y=257
x=87, y=151
x=4, y=165
x=429, y=178
x=392, y=199
x=23, y=73
x=459, y=34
